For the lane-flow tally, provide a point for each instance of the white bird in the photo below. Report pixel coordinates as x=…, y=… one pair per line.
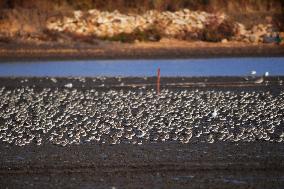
x=53, y=80
x=253, y=72
x=68, y=85
x=259, y=81
x=215, y=113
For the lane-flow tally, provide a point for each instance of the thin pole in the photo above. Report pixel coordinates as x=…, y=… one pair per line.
x=158, y=81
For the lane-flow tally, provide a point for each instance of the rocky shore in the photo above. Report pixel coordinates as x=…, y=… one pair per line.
x=184, y=24
x=152, y=34
x=93, y=25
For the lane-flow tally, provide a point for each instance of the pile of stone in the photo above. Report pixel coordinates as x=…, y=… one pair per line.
x=178, y=24
x=108, y=24
x=184, y=24
x=258, y=34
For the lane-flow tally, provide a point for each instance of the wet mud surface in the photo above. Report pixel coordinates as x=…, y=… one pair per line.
x=163, y=50
x=162, y=165
x=213, y=133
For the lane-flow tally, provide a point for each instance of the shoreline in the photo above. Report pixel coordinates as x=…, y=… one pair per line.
x=170, y=49
x=233, y=83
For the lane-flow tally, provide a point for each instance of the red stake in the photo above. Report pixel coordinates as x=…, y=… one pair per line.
x=158, y=80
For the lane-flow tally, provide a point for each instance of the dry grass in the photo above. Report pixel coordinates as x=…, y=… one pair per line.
x=142, y=5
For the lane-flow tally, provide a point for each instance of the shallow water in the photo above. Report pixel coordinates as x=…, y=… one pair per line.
x=181, y=67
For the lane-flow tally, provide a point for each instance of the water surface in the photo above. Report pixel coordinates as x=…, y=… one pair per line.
x=180, y=67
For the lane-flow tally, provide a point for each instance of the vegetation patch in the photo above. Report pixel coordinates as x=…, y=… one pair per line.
x=150, y=34
x=216, y=33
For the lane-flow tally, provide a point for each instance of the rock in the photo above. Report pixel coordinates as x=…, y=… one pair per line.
x=102, y=20
x=253, y=38
x=269, y=39
x=246, y=40
x=187, y=11
x=260, y=33
x=240, y=29
x=224, y=41
x=202, y=18
x=254, y=29
x=78, y=14
x=108, y=24
x=93, y=12
x=200, y=26
x=67, y=20
x=180, y=22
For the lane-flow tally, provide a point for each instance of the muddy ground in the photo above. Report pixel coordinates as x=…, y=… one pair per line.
x=161, y=165
x=169, y=49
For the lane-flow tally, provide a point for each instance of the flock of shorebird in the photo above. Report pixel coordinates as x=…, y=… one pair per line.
x=68, y=116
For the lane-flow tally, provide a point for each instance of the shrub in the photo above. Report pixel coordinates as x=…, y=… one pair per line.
x=150, y=34
x=215, y=33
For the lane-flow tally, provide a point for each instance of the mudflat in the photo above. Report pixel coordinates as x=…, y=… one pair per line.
x=170, y=49
x=160, y=165
x=197, y=156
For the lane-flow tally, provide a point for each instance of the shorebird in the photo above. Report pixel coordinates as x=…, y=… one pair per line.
x=259, y=81
x=68, y=85
x=66, y=117
x=253, y=72
x=215, y=113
